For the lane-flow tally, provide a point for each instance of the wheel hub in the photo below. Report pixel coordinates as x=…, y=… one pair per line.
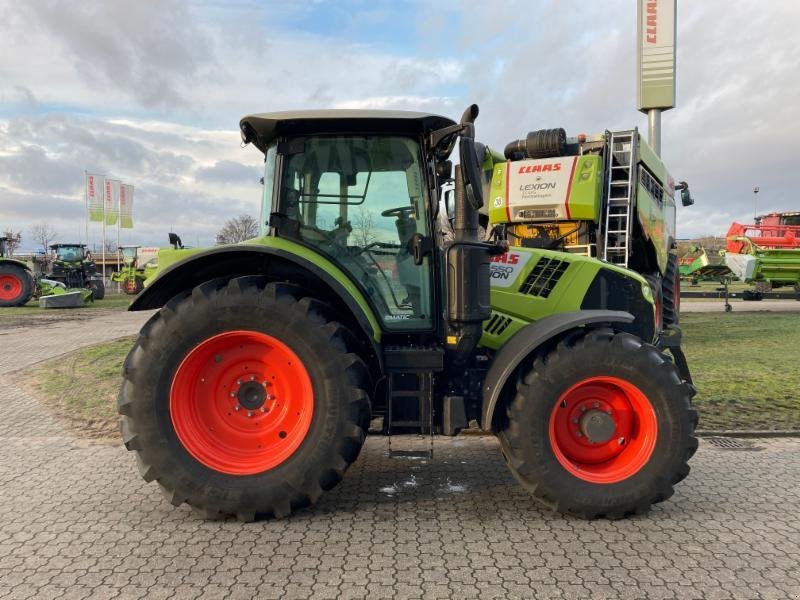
x=252, y=395
x=598, y=426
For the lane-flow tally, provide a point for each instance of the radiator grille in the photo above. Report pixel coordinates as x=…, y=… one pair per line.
x=544, y=277
x=497, y=324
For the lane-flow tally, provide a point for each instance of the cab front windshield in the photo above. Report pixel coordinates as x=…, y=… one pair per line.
x=70, y=253
x=359, y=200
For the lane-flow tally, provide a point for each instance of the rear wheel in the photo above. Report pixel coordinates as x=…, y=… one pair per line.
x=16, y=285
x=243, y=399
x=671, y=291
x=602, y=426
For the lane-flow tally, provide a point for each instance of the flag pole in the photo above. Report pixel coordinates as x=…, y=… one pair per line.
x=103, y=241
x=119, y=223
x=86, y=204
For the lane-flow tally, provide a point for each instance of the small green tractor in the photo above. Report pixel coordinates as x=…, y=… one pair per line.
x=133, y=275
x=17, y=284
x=252, y=389
x=72, y=265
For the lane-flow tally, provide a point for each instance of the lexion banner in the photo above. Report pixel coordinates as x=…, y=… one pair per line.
x=126, y=206
x=112, y=201
x=95, y=196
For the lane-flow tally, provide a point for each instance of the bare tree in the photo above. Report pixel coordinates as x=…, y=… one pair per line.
x=44, y=235
x=13, y=241
x=238, y=229
x=363, y=226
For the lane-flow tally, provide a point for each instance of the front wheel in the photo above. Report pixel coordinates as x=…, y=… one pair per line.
x=243, y=399
x=98, y=289
x=601, y=426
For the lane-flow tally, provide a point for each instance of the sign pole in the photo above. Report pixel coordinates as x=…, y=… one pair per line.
x=655, y=53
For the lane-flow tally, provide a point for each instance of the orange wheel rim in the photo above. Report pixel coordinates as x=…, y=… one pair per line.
x=10, y=287
x=241, y=402
x=603, y=430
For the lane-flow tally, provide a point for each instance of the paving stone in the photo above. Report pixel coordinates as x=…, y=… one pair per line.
x=78, y=522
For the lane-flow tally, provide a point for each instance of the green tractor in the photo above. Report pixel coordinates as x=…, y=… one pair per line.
x=252, y=389
x=133, y=275
x=72, y=265
x=17, y=284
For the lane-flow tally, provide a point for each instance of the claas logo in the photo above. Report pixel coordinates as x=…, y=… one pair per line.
x=509, y=258
x=540, y=168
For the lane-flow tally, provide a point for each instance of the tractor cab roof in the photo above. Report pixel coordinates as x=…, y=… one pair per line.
x=56, y=246
x=261, y=129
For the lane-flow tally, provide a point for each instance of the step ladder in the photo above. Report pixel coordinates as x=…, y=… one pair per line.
x=622, y=160
x=409, y=408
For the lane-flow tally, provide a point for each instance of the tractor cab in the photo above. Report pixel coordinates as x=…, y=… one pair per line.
x=69, y=253
x=361, y=188
x=129, y=254
x=3, y=246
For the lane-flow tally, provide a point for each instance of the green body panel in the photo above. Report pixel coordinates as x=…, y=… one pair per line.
x=567, y=294
x=778, y=266
x=583, y=201
x=657, y=218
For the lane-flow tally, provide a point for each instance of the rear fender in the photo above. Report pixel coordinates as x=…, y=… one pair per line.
x=274, y=263
x=501, y=374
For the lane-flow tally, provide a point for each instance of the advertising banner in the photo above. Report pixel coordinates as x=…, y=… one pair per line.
x=126, y=206
x=95, y=195
x=656, y=54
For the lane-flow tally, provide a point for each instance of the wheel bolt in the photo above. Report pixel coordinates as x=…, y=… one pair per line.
x=621, y=441
x=249, y=413
x=238, y=382
x=268, y=397
x=263, y=410
x=252, y=377
x=236, y=407
x=597, y=405
x=233, y=395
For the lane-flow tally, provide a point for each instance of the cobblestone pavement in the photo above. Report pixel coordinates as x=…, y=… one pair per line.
x=78, y=522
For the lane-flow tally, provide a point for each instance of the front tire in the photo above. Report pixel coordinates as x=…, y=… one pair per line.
x=244, y=399
x=16, y=285
x=601, y=426
x=98, y=289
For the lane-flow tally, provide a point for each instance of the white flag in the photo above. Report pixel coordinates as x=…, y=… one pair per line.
x=95, y=194
x=112, y=201
x=126, y=206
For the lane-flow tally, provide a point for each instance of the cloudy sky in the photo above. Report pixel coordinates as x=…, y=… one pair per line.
x=152, y=92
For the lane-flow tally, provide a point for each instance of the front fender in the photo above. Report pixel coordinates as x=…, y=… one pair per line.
x=528, y=339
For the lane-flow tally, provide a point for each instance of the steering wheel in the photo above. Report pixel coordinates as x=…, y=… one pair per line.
x=400, y=211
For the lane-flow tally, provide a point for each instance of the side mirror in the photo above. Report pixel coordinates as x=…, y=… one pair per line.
x=686, y=195
x=471, y=170
x=450, y=204
x=175, y=240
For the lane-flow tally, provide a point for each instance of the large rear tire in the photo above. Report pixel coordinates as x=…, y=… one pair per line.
x=16, y=285
x=671, y=292
x=244, y=399
x=601, y=426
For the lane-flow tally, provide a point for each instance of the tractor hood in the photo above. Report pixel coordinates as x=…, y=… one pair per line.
x=528, y=284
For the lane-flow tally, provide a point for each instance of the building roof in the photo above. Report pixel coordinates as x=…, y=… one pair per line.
x=260, y=129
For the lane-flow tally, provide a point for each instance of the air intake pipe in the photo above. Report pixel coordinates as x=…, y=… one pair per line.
x=542, y=143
